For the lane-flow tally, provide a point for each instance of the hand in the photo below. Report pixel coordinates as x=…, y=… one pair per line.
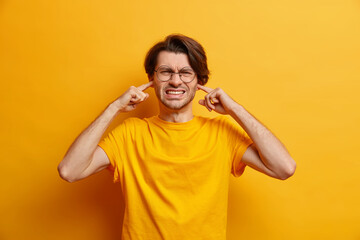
x=132, y=97
x=216, y=99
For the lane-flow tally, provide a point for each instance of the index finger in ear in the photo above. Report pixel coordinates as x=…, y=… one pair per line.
x=205, y=89
x=145, y=86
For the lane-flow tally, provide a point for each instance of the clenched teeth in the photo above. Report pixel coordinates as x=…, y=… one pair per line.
x=175, y=92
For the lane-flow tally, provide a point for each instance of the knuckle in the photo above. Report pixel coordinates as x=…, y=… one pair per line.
x=133, y=89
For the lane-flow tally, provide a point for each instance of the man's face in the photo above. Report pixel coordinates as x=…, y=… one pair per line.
x=174, y=94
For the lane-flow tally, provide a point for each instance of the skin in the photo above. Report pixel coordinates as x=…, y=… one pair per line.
x=266, y=154
x=174, y=108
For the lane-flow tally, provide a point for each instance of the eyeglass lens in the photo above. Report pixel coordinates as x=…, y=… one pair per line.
x=165, y=74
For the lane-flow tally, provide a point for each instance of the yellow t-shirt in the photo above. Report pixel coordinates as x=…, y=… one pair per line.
x=175, y=176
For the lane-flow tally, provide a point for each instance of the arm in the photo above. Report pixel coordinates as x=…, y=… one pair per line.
x=84, y=157
x=267, y=154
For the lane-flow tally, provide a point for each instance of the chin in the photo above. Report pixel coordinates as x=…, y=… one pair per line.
x=175, y=106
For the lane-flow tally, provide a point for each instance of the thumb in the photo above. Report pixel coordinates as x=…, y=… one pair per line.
x=202, y=102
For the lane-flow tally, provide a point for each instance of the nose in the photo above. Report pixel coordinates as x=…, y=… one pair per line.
x=175, y=80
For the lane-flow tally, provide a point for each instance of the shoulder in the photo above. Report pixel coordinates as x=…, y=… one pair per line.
x=134, y=121
x=225, y=124
x=131, y=123
x=218, y=120
x=219, y=123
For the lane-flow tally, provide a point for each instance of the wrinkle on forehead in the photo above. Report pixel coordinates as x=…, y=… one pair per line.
x=176, y=61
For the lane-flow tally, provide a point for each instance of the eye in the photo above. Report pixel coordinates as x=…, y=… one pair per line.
x=186, y=73
x=165, y=72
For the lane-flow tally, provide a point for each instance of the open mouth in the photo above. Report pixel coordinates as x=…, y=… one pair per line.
x=175, y=92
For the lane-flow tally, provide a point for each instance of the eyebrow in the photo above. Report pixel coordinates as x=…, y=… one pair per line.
x=184, y=68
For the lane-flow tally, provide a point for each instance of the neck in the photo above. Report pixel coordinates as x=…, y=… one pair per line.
x=184, y=114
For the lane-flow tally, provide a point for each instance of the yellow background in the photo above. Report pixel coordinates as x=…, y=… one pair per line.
x=295, y=65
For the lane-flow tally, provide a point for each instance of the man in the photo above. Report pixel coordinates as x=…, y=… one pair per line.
x=174, y=168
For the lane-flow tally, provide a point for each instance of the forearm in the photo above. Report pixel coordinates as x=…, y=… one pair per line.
x=78, y=156
x=271, y=151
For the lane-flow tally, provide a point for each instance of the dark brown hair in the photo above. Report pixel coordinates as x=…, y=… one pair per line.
x=179, y=43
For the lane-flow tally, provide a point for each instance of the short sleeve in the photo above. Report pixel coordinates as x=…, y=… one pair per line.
x=111, y=144
x=238, y=141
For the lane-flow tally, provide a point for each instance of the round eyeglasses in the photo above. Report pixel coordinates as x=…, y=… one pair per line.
x=164, y=74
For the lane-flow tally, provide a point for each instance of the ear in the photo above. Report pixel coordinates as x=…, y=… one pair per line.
x=151, y=78
x=198, y=83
